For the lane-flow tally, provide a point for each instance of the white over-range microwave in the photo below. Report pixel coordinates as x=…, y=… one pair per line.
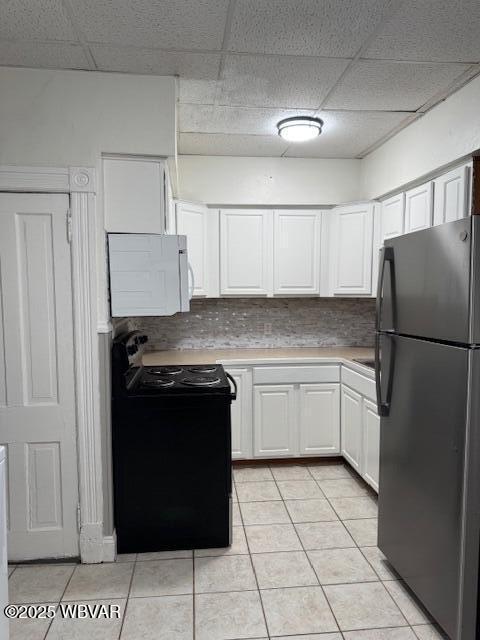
x=149, y=274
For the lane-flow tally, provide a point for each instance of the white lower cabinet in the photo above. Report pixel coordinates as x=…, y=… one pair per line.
x=360, y=426
x=241, y=413
x=319, y=423
x=352, y=427
x=296, y=420
x=371, y=443
x=286, y=411
x=275, y=422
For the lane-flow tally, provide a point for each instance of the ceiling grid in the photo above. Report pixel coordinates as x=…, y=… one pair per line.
x=366, y=67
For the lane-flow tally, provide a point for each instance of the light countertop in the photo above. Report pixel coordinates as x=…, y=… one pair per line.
x=210, y=356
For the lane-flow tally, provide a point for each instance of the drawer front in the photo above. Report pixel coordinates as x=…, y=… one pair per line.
x=359, y=383
x=294, y=374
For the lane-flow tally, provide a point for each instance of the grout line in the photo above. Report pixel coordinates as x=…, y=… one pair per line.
x=315, y=573
x=256, y=581
x=127, y=599
x=60, y=600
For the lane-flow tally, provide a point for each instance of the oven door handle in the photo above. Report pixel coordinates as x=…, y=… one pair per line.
x=232, y=379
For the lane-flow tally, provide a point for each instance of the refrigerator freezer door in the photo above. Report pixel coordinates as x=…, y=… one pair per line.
x=422, y=447
x=426, y=284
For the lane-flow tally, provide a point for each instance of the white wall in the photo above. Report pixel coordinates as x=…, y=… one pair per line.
x=69, y=118
x=448, y=132
x=63, y=118
x=267, y=181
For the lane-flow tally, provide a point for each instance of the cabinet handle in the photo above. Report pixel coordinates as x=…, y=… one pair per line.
x=383, y=406
x=386, y=255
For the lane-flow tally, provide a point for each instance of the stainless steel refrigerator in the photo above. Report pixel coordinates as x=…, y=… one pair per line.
x=428, y=394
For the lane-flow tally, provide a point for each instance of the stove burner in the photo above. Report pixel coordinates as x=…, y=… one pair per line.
x=165, y=371
x=201, y=381
x=159, y=382
x=203, y=368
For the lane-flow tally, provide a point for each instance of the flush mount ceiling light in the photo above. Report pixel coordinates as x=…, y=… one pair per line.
x=299, y=128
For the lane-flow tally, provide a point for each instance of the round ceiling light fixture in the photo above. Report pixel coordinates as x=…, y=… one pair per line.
x=300, y=128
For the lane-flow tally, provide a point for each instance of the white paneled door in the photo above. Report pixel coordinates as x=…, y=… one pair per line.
x=37, y=403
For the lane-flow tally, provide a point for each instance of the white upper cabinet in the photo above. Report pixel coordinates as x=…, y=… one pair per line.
x=134, y=195
x=200, y=225
x=246, y=252
x=418, y=207
x=351, y=249
x=451, y=195
x=297, y=252
x=392, y=217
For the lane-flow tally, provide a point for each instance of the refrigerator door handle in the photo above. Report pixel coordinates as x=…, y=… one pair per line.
x=386, y=255
x=383, y=406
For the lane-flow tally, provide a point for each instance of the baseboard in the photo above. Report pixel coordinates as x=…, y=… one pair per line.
x=110, y=547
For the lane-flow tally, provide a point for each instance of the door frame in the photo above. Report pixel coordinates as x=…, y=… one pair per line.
x=79, y=184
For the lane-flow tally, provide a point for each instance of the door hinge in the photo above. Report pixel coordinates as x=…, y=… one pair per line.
x=79, y=518
x=69, y=226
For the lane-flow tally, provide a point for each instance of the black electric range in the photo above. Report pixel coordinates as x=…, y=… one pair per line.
x=203, y=379
x=171, y=438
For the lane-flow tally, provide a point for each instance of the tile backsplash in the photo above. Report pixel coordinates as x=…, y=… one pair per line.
x=262, y=323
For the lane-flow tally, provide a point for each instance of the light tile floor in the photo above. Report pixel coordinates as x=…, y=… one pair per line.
x=303, y=566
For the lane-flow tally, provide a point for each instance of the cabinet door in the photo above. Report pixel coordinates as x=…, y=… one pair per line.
x=371, y=443
x=392, y=217
x=200, y=225
x=319, y=419
x=418, y=208
x=241, y=411
x=352, y=427
x=245, y=252
x=296, y=252
x=450, y=196
x=352, y=250
x=134, y=195
x=275, y=423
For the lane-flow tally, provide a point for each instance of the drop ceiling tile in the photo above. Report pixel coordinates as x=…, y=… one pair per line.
x=304, y=27
x=392, y=86
x=199, y=66
x=278, y=81
x=166, y=24
x=197, y=91
x=346, y=134
x=43, y=55
x=430, y=30
x=35, y=20
x=219, y=144
x=232, y=120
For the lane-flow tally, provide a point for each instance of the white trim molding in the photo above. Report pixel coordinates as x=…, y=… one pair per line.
x=79, y=183
x=110, y=548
